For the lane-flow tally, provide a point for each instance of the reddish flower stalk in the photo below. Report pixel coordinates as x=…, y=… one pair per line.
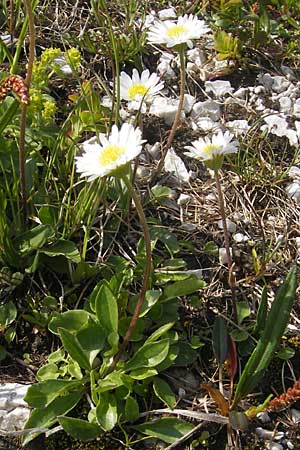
x=24, y=109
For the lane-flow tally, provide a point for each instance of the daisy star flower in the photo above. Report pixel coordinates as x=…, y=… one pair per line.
x=173, y=33
x=212, y=151
x=139, y=88
x=104, y=156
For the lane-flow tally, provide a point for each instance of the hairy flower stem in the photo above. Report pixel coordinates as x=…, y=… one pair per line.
x=231, y=277
x=176, y=119
x=24, y=109
x=148, y=266
x=11, y=20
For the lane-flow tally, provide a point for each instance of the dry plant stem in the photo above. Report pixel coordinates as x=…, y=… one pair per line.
x=147, y=273
x=231, y=278
x=24, y=109
x=176, y=119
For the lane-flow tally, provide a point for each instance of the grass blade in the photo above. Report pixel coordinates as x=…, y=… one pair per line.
x=276, y=323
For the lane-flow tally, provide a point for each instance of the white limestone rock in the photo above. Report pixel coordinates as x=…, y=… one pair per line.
x=11, y=395
x=15, y=419
x=14, y=411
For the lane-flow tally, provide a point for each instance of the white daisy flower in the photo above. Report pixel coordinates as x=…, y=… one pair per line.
x=139, y=88
x=182, y=31
x=104, y=158
x=212, y=151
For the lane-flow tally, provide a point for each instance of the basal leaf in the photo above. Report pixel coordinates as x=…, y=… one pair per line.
x=106, y=307
x=73, y=347
x=131, y=409
x=34, y=239
x=160, y=332
x=106, y=411
x=80, y=429
x=8, y=313
x=151, y=299
x=65, y=248
x=184, y=287
x=69, y=320
x=149, y=355
x=45, y=417
x=40, y=395
x=168, y=429
x=164, y=392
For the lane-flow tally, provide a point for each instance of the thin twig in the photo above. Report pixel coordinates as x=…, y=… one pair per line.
x=206, y=417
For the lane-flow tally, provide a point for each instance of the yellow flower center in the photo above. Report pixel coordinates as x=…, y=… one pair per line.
x=137, y=90
x=110, y=154
x=211, y=150
x=176, y=31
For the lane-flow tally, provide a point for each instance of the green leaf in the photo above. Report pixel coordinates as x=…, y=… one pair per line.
x=40, y=395
x=164, y=392
x=150, y=300
x=80, y=429
x=186, y=355
x=69, y=320
x=184, y=287
x=211, y=248
x=138, y=332
x=107, y=309
x=166, y=237
x=275, y=325
x=220, y=339
x=286, y=353
x=168, y=429
x=170, y=359
x=161, y=192
x=84, y=271
x=91, y=337
x=45, y=417
x=243, y=311
x=112, y=381
x=65, y=248
x=131, y=409
x=239, y=335
x=47, y=372
x=149, y=355
x=57, y=356
x=35, y=238
x=142, y=374
x=73, y=347
x=8, y=115
x=261, y=313
x=74, y=369
x=159, y=332
x=8, y=313
x=106, y=411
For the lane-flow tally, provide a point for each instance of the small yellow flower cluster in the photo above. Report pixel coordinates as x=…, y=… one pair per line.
x=41, y=68
x=73, y=57
x=49, y=55
x=35, y=100
x=49, y=111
